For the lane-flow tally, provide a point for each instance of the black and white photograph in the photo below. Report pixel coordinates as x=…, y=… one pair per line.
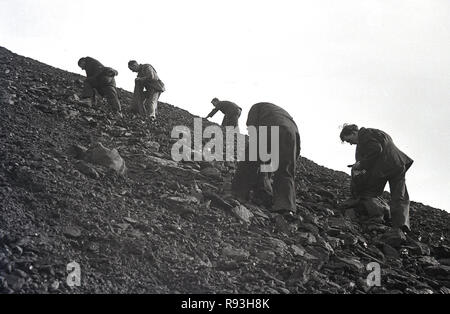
x=224, y=155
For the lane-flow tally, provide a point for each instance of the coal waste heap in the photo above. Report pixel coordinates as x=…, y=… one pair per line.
x=78, y=185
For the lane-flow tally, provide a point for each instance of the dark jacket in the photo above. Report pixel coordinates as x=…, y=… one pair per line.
x=148, y=72
x=97, y=74
x=268, y=114
x=226, y=107
x=378, y=154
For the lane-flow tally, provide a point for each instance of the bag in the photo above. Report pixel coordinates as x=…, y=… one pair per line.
x=110, y=72
x=158, y=85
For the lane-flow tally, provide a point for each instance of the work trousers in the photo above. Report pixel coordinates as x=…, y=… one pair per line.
x=249, y=176
x=374, y=187
x=231, y=119
x=107, y=91
x=145, y=99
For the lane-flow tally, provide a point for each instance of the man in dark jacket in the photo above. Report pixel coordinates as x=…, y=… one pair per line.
x=147, y=89
x=281, y=196
x=381, y=161
x=101, y=79
x=231, y=111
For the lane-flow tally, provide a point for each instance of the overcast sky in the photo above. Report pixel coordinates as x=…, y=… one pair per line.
x=377, y=63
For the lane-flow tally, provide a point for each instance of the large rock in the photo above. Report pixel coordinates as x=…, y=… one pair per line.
x=14, y=282
x=181, y=205
x=100, y=155
x=438, y=270
x=212, y=173
x=242, y=213
x=352, y=262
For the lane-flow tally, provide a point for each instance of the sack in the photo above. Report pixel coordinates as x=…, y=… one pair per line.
x=158, y=85
x=110, y=72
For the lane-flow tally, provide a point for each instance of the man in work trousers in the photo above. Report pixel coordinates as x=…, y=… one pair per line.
x=381, y=161
x=231, y=111
x=147, y=89
x=281, y=197
x=101, y=79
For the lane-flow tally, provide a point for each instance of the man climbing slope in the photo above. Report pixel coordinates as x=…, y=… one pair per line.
x=147, y=89
x=101, y=79
x=377, y=155
x=231, y=111
x=281, y=196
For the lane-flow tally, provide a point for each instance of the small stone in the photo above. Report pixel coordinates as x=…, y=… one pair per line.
x=14, y=282
x=442, y=251
x=440, y=270
x=335, y=242
x=17, y=250
x=350, y=213
x=182, y=206
x=20, y=273
x=309, y=228
x=54, y=286
x=389, y=251
x=211, y=172
x=153, y=146
x=3, y=283
x=72, y=232
x=417, y=247
x=298, y=250
x=130, y=220
x=242, y=213
x=428, y=261
x=352, y=262
x=306, y=238
x=87, y=170
x=237, y=254
x=445, y=261
x=266, y=256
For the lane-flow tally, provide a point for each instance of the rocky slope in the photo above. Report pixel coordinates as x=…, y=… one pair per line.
x=168, y=227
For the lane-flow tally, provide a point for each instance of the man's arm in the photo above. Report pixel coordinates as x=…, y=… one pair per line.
x=109, y=72
x=212, y=113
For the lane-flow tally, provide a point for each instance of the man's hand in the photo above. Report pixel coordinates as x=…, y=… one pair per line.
x=356, y=166
x=359, y=172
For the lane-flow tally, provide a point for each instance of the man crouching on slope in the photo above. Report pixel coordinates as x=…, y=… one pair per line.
x=101, y=79
x=147, y=89
x=377, y=155
x=281, y=196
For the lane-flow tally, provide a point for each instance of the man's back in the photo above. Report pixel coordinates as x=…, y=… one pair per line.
x=148, y=71
x=376, y=151
x=228, y=107
x=93, y=67
x=268, y=114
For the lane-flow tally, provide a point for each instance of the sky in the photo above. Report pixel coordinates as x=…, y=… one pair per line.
x=376, y=63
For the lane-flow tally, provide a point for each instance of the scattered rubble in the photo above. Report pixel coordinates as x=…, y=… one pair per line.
x=139, y=222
